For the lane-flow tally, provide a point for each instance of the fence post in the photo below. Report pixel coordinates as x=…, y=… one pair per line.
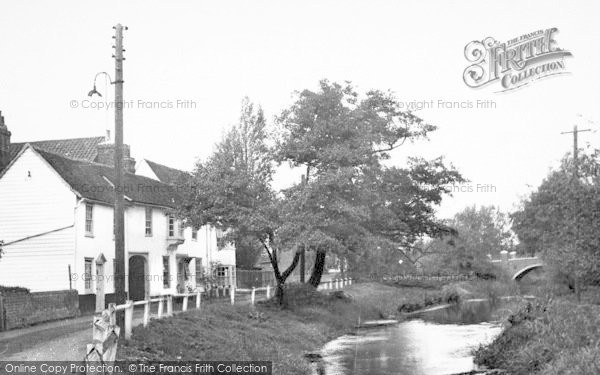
x=185, y=303
x=169, y=305
x=1, y=314
x=146, y=313
x=198, y=296
x=160, y=306
x=113, y=317
x=128, y=319
x=218, y=292
x=232, y=294
x=268, y=291
x=253, y=295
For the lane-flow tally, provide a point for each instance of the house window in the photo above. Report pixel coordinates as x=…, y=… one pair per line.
x=171, y=221
x=221, y=243
x=148, y=221
x=180, y=229
x=166, y=273
x=199, y=271
x=221, y=271
x=89, y=219
x=87, y=274
x=194, y=234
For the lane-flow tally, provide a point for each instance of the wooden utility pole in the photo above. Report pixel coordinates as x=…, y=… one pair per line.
x=575, y=147
x=577, y=203
x=303, y=251
x=120, y=297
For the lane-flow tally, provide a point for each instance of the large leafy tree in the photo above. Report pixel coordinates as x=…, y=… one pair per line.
x=349, y=201
x=560, y=220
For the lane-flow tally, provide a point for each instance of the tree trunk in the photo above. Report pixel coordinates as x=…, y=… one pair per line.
x=315, y=277
x=302, y=264
x=281, y=278
x=279, y=291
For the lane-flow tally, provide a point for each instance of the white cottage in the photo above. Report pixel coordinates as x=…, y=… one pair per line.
x=56, y=220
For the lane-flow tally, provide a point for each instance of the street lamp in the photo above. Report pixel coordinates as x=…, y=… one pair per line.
x=119, y=206
x=94, y=91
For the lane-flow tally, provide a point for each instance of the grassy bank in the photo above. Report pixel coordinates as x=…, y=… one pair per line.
x=554, y=335
x=266, y=332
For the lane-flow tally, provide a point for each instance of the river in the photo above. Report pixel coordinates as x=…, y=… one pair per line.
x=436, y=342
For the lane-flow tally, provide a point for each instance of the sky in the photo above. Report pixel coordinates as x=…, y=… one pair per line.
x=190, y=63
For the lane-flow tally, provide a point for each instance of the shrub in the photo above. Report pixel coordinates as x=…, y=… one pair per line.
x=13, y=289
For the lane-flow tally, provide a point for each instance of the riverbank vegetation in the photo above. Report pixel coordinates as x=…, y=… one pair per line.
x=559, y=334
x=547, y=337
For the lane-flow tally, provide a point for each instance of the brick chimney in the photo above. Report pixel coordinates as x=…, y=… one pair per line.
x=4, y=143
x=106, y=155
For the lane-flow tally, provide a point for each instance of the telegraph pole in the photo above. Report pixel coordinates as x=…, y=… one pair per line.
x=119, y=209
x=303, y=251
x=575, y=147
x=575, y=180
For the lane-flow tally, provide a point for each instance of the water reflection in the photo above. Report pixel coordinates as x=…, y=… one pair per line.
x=436, y=342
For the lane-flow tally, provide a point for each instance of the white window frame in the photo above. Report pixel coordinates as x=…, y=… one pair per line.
x=148, y=221
x=171, y=225
x=89, y=219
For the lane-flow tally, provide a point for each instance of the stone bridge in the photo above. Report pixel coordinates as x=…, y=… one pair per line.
x=517, y=267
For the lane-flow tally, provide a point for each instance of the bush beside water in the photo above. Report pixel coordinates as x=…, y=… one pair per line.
x=554, y=337
x=449, y=294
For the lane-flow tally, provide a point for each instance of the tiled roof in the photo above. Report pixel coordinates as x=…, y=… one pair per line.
x=73, y=148
x=167, y=174
x=14, y=150
x=96, y=182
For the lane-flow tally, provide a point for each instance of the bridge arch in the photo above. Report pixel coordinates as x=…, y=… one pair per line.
x=525, y=270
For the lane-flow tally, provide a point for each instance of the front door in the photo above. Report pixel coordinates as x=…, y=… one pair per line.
x=137, y=278
x=99, y=287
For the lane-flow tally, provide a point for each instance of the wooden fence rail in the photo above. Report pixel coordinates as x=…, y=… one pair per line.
x=167, y=300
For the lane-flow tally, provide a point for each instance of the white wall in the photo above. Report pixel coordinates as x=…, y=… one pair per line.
x=153, y=248
x=33, y=200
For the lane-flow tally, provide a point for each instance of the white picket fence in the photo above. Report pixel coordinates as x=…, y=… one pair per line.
x=167, y=300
